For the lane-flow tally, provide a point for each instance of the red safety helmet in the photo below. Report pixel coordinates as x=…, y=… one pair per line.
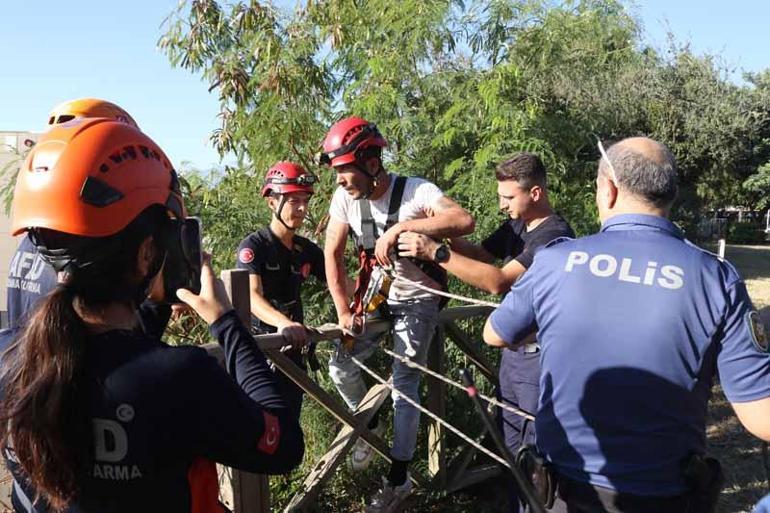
x=91, y=177
x=88, y=108
x=284, y=177
x=347, y=138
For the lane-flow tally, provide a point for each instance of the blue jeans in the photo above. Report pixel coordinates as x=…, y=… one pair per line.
x=414, y=324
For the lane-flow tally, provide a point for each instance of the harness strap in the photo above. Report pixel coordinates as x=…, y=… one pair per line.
x=395, y=201
x=368, y=236
x=370, y=232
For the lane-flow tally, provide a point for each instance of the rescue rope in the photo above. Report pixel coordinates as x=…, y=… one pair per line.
x=411, y=363
x=397, y=277
x=430, y=414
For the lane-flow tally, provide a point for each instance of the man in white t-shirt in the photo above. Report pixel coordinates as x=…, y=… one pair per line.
x=353, y=148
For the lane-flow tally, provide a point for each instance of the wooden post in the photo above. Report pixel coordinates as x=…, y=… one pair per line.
x=305, y=499
x=469, y=349
x=312, y=389
x=242, y=492
x=437, y=404
x=6, y=485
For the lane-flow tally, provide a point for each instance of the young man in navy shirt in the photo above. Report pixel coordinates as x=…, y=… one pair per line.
x=523, y=195
x=279, y=262
x=633, y=322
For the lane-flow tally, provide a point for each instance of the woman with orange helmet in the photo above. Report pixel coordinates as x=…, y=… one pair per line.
x=98, y=415
x=29, y=277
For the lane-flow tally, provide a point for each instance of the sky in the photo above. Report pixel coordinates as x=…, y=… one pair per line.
x=57, y=51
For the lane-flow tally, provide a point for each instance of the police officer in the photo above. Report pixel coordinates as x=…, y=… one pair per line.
x=523, y=195
x=97, y=415
x=633, y=323
x=279, y=261
x=29, y=277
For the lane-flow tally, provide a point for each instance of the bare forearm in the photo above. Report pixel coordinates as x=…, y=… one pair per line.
x=266, y=312
x=337, y=281
x=479, y=274
x=450, y=223
x=753, y=415
x=475, y=251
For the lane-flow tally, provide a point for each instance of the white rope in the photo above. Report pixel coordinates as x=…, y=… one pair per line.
x=480, y=302
x=491, y=400
x=430, y=414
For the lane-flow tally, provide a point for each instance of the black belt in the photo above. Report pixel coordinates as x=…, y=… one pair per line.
x=585, y=497
x=702, y=474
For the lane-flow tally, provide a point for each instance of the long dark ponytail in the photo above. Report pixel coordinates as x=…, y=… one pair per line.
x=42, y=406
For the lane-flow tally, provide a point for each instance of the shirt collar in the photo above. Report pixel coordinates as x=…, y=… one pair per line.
x=641, y=222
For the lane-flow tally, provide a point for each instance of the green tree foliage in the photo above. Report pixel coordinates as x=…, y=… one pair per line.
x=456, y=87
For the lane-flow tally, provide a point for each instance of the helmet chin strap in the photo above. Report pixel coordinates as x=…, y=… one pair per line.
x=373, y=181
x=277, y=213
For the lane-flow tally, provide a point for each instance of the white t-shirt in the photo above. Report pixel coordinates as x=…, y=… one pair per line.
x=419, y=196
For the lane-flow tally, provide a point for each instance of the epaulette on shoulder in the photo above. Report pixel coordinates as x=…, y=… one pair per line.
x=721, y=260
x=558, y=240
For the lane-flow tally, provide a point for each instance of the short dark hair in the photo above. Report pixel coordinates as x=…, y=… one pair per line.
x=652, y=180
x=525, y=168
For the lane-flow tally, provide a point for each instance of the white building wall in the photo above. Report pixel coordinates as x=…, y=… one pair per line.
x=11, y=145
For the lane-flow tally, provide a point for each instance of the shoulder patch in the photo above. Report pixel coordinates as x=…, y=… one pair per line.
x=246, y=255
x=557, y=240
x=757, y=330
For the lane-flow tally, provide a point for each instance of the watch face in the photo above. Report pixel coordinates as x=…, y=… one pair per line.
x=442, y=254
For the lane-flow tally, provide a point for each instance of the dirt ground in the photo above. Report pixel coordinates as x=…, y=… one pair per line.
x=741, y=454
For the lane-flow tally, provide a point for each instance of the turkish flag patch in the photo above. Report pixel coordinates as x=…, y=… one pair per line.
x=246, y=255
x=305, y=270
x=271, y=436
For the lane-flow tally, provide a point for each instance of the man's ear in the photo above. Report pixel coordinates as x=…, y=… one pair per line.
x=536, y=192
x=271, y=203
x=373, y=165
x=608, y=192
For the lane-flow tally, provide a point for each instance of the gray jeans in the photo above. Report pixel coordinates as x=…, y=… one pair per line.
x=414, y=324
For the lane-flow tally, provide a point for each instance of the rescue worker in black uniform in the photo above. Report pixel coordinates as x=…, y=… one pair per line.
x=98, y=415
x=279, y=261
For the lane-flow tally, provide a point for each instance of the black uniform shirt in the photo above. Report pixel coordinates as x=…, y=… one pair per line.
x=282, y=270
x=513, y=241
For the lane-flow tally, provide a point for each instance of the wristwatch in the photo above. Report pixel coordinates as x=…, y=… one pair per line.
x=442, y=254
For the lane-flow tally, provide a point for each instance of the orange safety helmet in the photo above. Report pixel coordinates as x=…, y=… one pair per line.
x=91, y=177
x=88, y=108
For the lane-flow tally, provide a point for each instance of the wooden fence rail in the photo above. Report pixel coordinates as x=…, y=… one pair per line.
x=244, y=492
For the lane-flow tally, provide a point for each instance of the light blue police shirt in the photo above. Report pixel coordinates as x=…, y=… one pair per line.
x=632, y=323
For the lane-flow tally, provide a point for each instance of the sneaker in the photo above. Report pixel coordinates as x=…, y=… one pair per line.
x=390, y=497
x=362, y=453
